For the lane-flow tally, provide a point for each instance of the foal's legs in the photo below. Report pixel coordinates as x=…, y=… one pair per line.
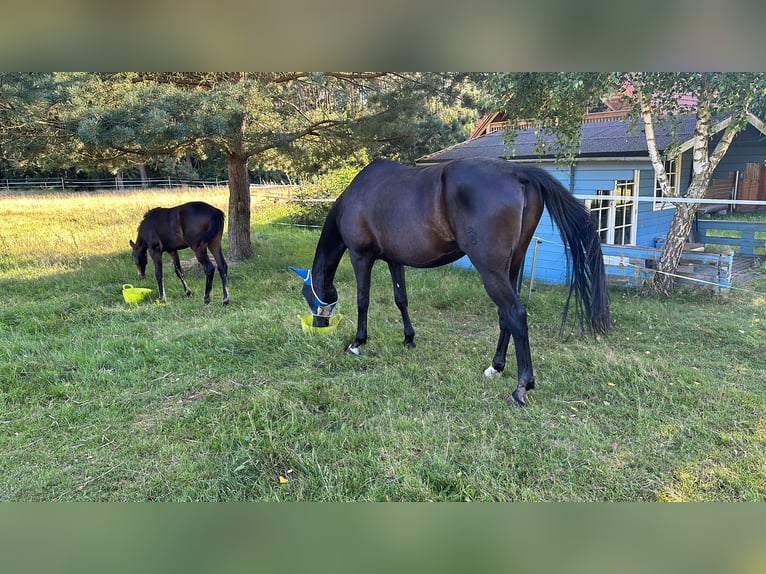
x=513, y=323
x=180, y=272
x=223, y=269
x=201, y=252
x=400, y=297
x=157, y=260
x=362, y=271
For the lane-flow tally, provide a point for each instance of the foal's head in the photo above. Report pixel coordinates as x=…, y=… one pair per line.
x=139, y=257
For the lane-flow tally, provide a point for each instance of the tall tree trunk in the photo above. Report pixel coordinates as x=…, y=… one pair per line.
x=673, y=249
x=239, y=208
x=703, y=165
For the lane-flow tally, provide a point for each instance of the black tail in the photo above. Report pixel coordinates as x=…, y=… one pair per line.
x=217, y=219
x=588, y=277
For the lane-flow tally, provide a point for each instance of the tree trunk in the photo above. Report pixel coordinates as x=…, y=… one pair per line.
x=674, y=246
x=703, y=165
x=239, y=208
x=144, y=177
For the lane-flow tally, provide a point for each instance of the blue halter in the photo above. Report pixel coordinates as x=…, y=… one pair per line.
x=319, y=308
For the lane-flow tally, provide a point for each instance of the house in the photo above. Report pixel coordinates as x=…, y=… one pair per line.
x=613, y=161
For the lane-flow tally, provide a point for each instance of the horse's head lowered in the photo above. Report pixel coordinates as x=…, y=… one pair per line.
x=319, y=309
x=139, y=257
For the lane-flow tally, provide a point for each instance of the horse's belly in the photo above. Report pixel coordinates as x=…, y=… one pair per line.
x=429, y=255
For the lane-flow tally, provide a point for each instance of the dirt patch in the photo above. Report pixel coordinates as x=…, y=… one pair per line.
x=174, y=405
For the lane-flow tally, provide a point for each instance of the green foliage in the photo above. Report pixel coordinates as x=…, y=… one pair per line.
x=296, y=122
x=553, y=102
x=311, y=201
x=556, y=102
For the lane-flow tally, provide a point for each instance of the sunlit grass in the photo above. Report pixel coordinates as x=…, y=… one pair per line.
x=104, y=401
x=68, y=227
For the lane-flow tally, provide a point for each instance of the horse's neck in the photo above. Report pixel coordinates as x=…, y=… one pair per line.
x=323, y=277
x=328, y=254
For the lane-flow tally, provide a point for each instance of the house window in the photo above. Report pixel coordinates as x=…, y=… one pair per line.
x=672, y=169
x=615, y=219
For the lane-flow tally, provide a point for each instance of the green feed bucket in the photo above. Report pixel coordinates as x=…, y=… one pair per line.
x=307, y=320
x=134, y=294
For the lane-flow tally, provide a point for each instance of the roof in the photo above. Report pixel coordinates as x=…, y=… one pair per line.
x=605, y=139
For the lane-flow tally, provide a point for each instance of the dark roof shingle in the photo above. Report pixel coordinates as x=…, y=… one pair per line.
x=600, y=139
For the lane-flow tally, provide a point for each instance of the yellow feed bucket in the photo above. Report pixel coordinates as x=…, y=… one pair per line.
x=308, y=327
x=134, y=294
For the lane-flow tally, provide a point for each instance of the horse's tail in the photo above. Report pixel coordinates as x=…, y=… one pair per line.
x=217, y=219
x=584, y=258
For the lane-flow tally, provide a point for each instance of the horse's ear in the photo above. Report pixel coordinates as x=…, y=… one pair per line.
x=304, y=274
x=131, y=243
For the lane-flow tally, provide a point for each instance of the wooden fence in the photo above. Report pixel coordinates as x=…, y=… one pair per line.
x=744, y=237
x=630, y=266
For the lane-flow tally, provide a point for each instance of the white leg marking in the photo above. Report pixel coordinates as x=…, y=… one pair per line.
x=491, y=372
x=353, y=350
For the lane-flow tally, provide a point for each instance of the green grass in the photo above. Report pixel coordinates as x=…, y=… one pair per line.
x=103, y=401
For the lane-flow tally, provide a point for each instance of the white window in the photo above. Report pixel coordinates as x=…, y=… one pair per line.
x=673, y=171
x=615, y=219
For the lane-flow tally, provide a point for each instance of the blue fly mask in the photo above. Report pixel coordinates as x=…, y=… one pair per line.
x=318, y=307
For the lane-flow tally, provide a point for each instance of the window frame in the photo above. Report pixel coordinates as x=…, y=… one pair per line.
x=611, y=210
x=674, y=181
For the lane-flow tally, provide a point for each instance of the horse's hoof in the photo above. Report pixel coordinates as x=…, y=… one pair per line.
x=353, y=350
x=188, y=293
x=225, y=302
x=518, y=399
x=409, y=344
x=492, y=372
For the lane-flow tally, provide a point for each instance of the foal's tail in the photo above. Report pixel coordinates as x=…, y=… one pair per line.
x=588, y=278
x=217, y=219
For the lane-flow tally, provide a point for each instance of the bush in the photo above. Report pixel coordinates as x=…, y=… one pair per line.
x=306, y=209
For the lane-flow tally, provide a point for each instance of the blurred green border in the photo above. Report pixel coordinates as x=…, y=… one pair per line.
x=385, y=538
x=82, y=35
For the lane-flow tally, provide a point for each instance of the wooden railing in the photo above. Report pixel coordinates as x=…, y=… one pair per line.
x=749, y=236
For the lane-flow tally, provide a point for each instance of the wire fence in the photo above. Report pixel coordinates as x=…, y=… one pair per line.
x=118, y=184
x=285, y=191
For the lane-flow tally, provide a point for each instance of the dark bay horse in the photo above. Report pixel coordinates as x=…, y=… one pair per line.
x=430, y=216
x=196, y=225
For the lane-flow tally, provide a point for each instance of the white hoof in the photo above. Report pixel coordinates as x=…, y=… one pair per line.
x=491, y=372
x=353, y=350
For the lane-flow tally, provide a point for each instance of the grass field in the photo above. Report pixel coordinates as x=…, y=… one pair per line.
x=103, y=401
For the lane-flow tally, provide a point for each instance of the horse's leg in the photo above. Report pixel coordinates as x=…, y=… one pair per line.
x=180, y=272
x=400, y=297
x=513, y=323
x=201, y=252
x=223, y=268
x=157, y=260
x=362, y=271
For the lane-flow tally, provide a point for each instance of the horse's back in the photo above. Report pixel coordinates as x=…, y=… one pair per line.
x=199, y=208
x=182, y=226
x=428, y=216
